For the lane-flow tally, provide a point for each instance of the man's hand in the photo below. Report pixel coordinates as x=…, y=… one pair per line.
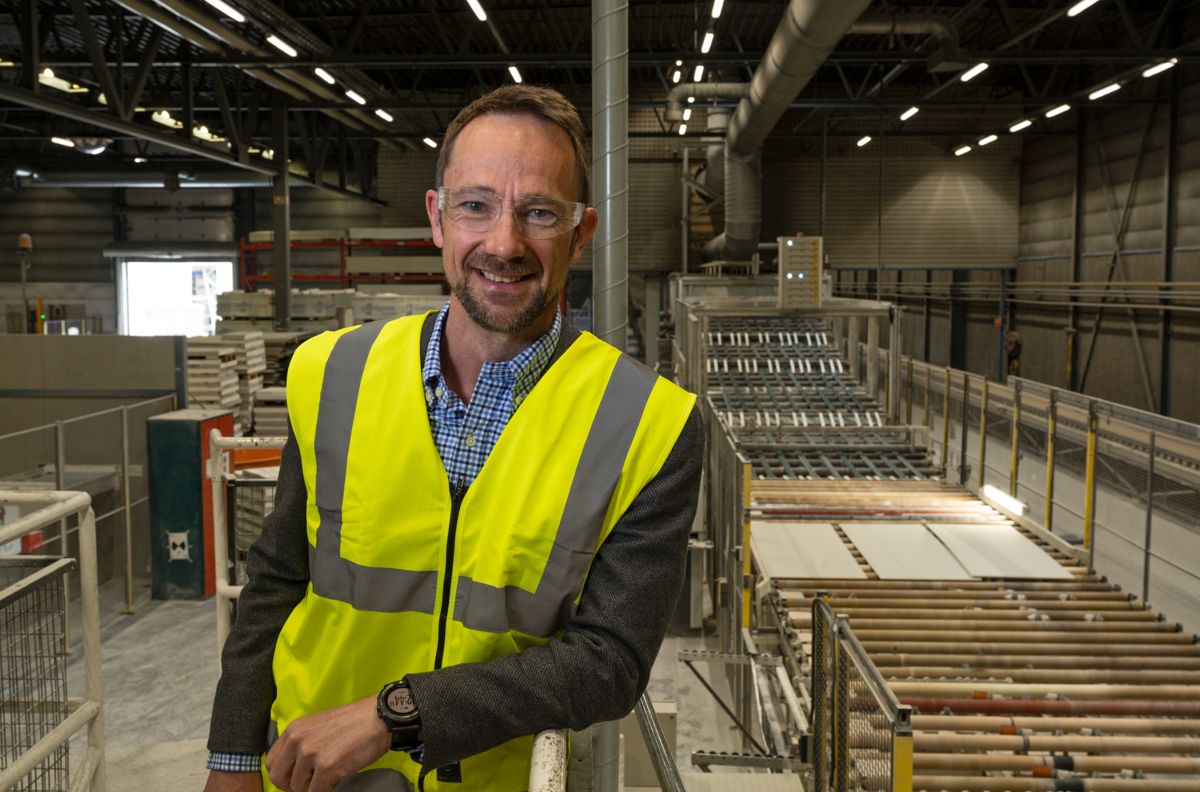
x=219, y=781
x=316, y=752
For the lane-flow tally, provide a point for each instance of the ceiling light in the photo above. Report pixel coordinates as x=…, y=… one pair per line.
x=683, y=129
x=62, y=142
x=269, y=154
x=480, y=14
x=988, y=139
x=282, y=46
x=356, y=97
x=706, y=45
x=164, y=117
x=1024, y=123
x=958, y=152
x=430, y=142
x=691, y=100
x=678, y=63
x=6, y=64
x=973, y=72
x=864, y=140
x=139, y=160
x=677, y=76
x=227, y=10
x=1057, y=111
x=516, y=75
x=204, y=133
x=1160, y=68
x=687, y=114
x=47, y=77
x=1105, y=91
x=718, y=5
x=385, y=115
x=698, y=74
x=324, y=75
x=1081, y=6
x=909, y=113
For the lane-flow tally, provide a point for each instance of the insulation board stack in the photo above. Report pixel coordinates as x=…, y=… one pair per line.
x=270, y=412
x=212, y=378
x=251, y=363
x=275, y=342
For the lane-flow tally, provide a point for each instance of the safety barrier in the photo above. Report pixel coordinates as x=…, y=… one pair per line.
x=37, y=720
x=861, y=736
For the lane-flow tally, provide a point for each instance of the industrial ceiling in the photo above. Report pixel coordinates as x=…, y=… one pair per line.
x=199, y=83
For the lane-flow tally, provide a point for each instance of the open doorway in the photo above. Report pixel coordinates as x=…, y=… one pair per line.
x=172, y=297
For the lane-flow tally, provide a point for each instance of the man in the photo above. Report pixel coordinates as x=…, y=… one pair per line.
x=482, y=514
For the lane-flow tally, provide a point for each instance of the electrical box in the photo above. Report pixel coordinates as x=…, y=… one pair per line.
x=182, y=564
x=800, y=264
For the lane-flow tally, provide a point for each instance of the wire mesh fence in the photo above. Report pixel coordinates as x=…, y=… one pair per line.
x=33, y=691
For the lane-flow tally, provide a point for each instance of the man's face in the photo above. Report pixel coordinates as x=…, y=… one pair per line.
x=515, y=157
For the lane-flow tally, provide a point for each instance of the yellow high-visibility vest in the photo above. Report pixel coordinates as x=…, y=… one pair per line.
x=403, y=580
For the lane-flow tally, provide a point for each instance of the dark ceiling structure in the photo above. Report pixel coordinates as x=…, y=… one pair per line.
x=207, y=82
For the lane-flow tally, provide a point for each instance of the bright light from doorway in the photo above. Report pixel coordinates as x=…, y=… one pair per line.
x=172, y=297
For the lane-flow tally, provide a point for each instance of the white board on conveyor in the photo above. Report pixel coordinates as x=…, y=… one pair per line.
x=997, y=551
x=802, y=550
x=904, y=551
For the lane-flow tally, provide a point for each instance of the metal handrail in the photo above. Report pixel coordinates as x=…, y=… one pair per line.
x=656, y=744
x=56, y=506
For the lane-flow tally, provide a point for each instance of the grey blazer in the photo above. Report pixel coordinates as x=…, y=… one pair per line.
x=594, y=673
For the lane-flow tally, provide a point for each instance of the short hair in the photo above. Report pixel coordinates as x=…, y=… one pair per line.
x=526, y=100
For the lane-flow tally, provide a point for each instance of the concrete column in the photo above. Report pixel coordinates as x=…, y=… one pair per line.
x=281, y=252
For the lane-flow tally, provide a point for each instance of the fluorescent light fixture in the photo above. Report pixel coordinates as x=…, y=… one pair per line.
x=356, y=97
x=1057, y=111
x=1160, y=68
x=63, y=142
x=6, y=64
x=687, y=114
x=958, y=152
x=204, y=133
x=282, y=46
x=678, y=63
x=683, y=129
x=698, y=75
x=227, y=10
x=676, y=77
x=864, y=140
x=706, y=45
x=1024, y=123
x=987, y=140
x=909, y=113
x=516, y=75
x=430, y=142
x=23, y=173
x=691, y=100
x=385, y=115
x=269, y=154
x=718, y=6
x=973, y=72
x=480, y=14
x=140, y=160
x=47, y=77
x=324, y=75
x=1105, y=91
x=1002, y=499
x=164, y=117
x=1080, y=7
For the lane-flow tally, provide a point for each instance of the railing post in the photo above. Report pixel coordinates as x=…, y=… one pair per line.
x=983, y=408
x=1089, y=488
x=908, y=414
x=216, y=473
x=946, y=424
x=1015, y=457
x=89, y=601
x=841, y=711
x=902, y=751
x=60, y=481
x=1149, y=520
x=127, y=508
x=928, y=385
x=1051, y=419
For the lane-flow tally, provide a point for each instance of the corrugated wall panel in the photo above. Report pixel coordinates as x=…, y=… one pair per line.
x=1047, y=186
x=184, y=216
x=654, y=209
x=69, y=227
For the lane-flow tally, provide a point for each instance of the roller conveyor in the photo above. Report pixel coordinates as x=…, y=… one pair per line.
x=1054, y=682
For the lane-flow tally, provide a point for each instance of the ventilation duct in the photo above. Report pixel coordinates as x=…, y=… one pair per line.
x=808, y=33
x=702, y=91
x=713, y=178
x=143, y=180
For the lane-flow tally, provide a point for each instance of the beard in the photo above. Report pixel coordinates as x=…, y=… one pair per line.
x=510, y=316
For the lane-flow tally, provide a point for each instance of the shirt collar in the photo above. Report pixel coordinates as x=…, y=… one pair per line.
x=522, y=371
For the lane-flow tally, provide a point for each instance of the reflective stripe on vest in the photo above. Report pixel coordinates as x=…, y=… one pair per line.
x=478, y=606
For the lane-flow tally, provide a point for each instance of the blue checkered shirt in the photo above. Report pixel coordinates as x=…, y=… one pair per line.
x=464, y=434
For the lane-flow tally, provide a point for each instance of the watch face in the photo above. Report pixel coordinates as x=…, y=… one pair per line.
x=400, y=701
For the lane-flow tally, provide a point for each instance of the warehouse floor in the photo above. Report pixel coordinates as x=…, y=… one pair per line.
x=160, y=670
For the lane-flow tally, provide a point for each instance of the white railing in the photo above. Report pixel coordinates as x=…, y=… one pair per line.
x=87, y=711
x=548, y=768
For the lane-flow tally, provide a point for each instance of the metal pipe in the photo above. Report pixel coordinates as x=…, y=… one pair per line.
x=1136, y=709
x=1077, y=764
x=1047, y=742
x=128, y=510
x=656, y=744
x=610, y=168
x=89, y=596
x=700, y=92
x=1089, y=489
x=1015, y=442
x=983, y=408
x=1149, y=518
x=946, y=423
x=548, y=762
x=1168, y=693
x=1051, y=415
x=1031, y=784
x=988, y=723
x=907, y=24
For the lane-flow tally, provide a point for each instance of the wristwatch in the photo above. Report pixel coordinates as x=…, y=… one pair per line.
x=399, y=714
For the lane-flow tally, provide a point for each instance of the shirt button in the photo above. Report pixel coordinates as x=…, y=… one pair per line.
x=470, y=441
x=438, y=392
